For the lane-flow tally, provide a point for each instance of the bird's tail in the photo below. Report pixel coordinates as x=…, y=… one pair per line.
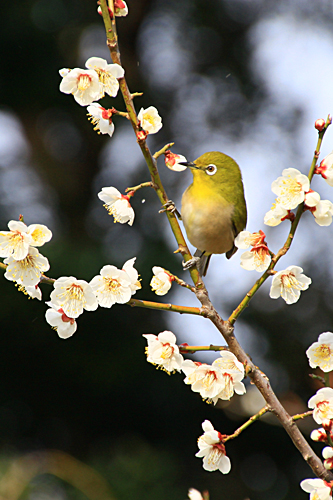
x=203, y=262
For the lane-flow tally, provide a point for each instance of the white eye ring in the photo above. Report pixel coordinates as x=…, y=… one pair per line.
x=211, y=169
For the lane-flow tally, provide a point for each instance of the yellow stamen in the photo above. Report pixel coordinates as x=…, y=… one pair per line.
x=112, y=285
x=167, y=351
x=214, y=456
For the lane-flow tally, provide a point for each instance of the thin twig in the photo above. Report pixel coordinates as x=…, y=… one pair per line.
x=244, y=303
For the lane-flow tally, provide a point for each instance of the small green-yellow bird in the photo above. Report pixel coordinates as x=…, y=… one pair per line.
x=213, y=207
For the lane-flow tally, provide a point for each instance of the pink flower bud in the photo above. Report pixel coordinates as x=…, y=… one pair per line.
x=320, y=124
x=319, y=435
x=99, y=10
x=141, y=135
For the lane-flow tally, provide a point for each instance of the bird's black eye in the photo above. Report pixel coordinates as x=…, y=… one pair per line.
x=211, y=169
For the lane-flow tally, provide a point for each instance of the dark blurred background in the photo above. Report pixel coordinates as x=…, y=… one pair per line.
x=245, y=77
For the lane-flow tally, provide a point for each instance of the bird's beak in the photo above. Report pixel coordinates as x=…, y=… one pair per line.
x=189, y=164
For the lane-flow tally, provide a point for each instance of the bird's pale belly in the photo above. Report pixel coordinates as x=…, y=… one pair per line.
x=208, y=227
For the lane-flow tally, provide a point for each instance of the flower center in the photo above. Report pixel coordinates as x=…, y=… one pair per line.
x=290, y=189
x=112, y=209
x=290, y=282
x=167, y=351
x=37, y=235
x=27, y=262
x=112, y=285
x=324, y=408
x=15, y=238
x=75, y=292
x=260, y=254
x=209, y=379
x=157, y=284
x=214, y=455
x=323, y=352
x=83, y=82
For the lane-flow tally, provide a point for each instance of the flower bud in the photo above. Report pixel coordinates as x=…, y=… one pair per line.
x=318, y=435
x=320, y=124
x=141, y=135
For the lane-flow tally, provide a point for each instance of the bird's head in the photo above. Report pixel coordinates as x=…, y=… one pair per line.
x=214, y=169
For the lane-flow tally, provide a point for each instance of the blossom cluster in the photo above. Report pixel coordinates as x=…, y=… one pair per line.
x=213, y=382
x=287, y=283
x=90, y=84
x=220, y=380
x=25, y=264
x=258, y=258
x=71, y=296
x=292, y=189
x=320, y=355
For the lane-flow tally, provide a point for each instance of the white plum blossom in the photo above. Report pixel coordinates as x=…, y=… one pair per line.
x=101, y=118
x=319, y=435
x=245, y=239
x=64, y=326
x=216, y=381
x=83, y=84
x=40, y=234
x=322, y=404
x=326, y=168
x=27, y=272
x=111, y=286
x=72, y=296
x=323, y=213
x=117, y=205
x=233, y=372
x=318, y=489
x=120, y=8
x=151, y=122
x=311, y=198
x=257, y=259
x=212, y=450
x=288, y=284
x=205, y=379
x=173, y=160
x=290, y=188
x=229, y=362
x=133, y=275
x=321, y=353
x=194, y=494
x=108, y=75
x=328, y=455
x=163, y=351
x=161, y=281
x=34, y=292
x=275, y=215
x=232, y=383
x=16, y=241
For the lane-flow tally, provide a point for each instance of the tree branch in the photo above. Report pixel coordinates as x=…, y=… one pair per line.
x=225, y=327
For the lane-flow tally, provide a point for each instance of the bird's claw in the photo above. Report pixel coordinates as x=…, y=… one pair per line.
x=170, y=206
x=190, y=263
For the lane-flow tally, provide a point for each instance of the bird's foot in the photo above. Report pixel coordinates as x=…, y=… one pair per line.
x=191, y=263
x=169, y=206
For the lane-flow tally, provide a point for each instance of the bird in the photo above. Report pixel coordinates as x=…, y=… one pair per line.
x=213, y=208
